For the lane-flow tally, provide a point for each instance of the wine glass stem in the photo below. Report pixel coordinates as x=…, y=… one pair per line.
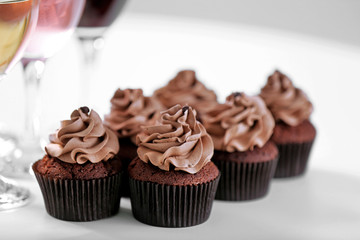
x=33, y=72
x=12, y=196
x=91, y=48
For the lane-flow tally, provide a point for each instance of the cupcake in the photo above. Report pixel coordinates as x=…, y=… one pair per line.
x=241, y=129
x=185, y=88
x=294, y=134
x=130, y=110
x=80, y=176
x=173, y=181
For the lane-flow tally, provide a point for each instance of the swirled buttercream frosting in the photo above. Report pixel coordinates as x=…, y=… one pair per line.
x=185, y=88
x=286, y=103
x=177, y=139
x=83, y=138
x=240, y=124
x=129, y=111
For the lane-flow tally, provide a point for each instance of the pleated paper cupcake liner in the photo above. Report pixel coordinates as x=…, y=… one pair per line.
x=81, y=200
x=293, y=159
x=172, y=206
x=125, y=188
x=244, y=181
x=128, y=151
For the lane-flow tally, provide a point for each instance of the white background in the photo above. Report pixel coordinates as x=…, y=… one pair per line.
x=146, y=49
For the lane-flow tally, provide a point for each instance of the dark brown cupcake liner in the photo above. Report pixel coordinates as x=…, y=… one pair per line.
x=172, y=206
x=125, y=188
x=241, y=181
x=293, y=159
x=126, y=157
x=81, y=200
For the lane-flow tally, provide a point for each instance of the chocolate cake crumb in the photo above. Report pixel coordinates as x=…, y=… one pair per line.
x=267, y=153
x=142, y=171
x=283, y=133
x=57, y=169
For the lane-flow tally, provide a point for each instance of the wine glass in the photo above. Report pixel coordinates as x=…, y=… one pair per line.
x=97, y=17
x=56, y=23
x=17, y=21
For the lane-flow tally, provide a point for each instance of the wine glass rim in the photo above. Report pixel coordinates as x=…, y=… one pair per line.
x=12, y=1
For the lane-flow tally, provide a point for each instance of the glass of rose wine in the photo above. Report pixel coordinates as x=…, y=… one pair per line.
x=56, y=22
x=97, y=17
x=17, y=21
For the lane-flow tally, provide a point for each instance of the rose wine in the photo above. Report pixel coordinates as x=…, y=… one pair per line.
x=98, y=15
x=17, y=18
x=57, y=21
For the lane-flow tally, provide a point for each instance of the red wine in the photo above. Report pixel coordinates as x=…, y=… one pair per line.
x=98, y=15
x=101, y=13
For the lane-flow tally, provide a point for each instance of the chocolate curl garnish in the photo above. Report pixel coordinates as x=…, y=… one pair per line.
x=237, y=94
x=185, y=108
x=234, y=96
x=85, y=109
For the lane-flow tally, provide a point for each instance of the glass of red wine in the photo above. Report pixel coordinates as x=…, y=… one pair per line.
x=17, y=22
x=56, y=22
x=97, y=17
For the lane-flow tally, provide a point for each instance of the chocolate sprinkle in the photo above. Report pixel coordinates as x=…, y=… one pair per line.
x=237, y=94
x=185, y=108
x=85, y=109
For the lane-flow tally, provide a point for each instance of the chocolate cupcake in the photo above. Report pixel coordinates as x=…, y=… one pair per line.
x=240, y=129
x=184, y=89
x=80, y=177
x=130, y=110
x=294, y=134
x=173, y=182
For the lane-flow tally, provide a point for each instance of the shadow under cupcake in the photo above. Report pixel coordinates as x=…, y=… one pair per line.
x=130, y=110
x=241, y=129
x=173, y=182
x=80, y=177
x=294, y=134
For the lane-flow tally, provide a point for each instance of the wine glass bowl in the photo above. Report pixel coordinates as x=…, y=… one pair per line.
x=98, y=16
x=57, y=21
x=17, y=20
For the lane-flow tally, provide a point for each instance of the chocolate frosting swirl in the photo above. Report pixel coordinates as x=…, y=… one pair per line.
x=240, y=124
x=286, y=103
x=177, y=139
x=185, y=88
x=83, y=138
x=129, y=111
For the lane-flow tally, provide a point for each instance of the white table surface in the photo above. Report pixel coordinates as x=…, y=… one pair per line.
x=146, y=51
x=319, y=205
